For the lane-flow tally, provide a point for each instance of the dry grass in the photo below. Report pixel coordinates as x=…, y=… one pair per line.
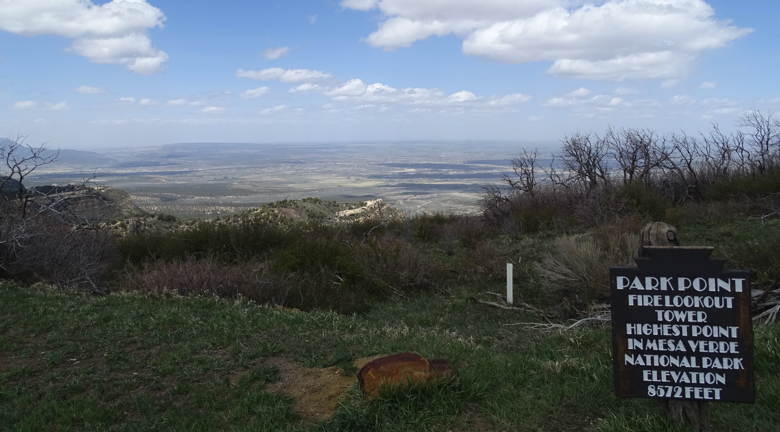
x=203, y=277
x=576, y=270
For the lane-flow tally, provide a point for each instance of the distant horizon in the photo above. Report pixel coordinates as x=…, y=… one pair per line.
x=107, y=149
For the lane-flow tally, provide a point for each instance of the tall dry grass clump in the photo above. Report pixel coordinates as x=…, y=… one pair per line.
x=575, y=272
x=202, y=277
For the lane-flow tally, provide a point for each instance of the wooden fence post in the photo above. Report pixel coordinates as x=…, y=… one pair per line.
x=693, y=413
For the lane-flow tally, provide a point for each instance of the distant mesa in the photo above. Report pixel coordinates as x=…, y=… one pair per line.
x=84, y=159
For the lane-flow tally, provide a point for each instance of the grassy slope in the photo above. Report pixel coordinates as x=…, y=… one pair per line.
x=127, y=362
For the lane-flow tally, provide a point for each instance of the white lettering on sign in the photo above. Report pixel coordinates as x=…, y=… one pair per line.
x=681, y=336
x=681, y=392
x=676, y=377
x=681, y=284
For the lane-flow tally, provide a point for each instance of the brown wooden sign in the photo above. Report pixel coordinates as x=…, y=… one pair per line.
x=682, y=328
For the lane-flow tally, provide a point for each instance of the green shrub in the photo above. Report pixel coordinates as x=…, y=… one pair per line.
x=762, y=254
x=744, y=243
x=637, y=198
x=207, y=239
x=314, y=266
x=429, y=228
x=315, y=252
x=527, y=214
x=744, y=186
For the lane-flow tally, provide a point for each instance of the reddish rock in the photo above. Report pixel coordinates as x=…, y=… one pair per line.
x=398, y=370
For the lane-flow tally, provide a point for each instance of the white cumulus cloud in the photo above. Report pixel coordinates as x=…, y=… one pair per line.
x=359, y=4
x=85, y=89
x=609, y=39
x=212, y=109
x=25, y=105
x=305, y=87
x=379, y=95
x=283, y=75
x=584, y=99
x=276, y=53
x=510, y=99
x=113, y=32
x=352, y=88
x=30, y=104
x=682, y=100
x=184, y=102
x=273, y=110
x=255, y=92
x=57, y=106
x=462, y=96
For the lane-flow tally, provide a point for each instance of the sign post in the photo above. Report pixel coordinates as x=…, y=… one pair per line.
x=682, y=328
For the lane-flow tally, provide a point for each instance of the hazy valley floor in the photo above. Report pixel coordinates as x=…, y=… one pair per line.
x=207, y=180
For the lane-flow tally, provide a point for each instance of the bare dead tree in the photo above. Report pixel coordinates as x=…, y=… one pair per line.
x=764, y=133
x=559, y=181
x=627, y=157
x=638, y=153
x=494, y=204
x=585, y=157
x=524, y=167
x=20, y=161
x=683, y=162
x=716, y=153
x=743, y=159
x=41, y=236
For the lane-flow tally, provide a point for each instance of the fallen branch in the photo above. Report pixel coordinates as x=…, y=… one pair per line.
x=764, y=217
x=520, y=306
x=550, y=326
x=769, y=316
x=525, y=307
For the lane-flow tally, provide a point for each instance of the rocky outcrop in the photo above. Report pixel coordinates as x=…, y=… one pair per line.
x=319, y=211
x=281, y=213
x=85, y=203
x=373, y=210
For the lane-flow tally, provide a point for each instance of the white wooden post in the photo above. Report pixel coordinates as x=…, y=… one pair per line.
x=510, y=295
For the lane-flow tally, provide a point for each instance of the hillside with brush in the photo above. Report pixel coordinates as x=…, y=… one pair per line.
x=111, y=318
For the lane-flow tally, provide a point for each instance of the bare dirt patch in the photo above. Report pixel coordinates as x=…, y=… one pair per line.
x=316, y=391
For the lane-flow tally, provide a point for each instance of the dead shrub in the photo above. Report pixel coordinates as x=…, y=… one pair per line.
x=204, y=277
x=398, y=265
x=68, y=256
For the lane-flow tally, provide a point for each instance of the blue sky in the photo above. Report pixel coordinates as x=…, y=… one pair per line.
x=98, y=74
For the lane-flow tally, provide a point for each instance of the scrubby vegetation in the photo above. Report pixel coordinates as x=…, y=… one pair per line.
x=416, y=284
x=563, y=225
